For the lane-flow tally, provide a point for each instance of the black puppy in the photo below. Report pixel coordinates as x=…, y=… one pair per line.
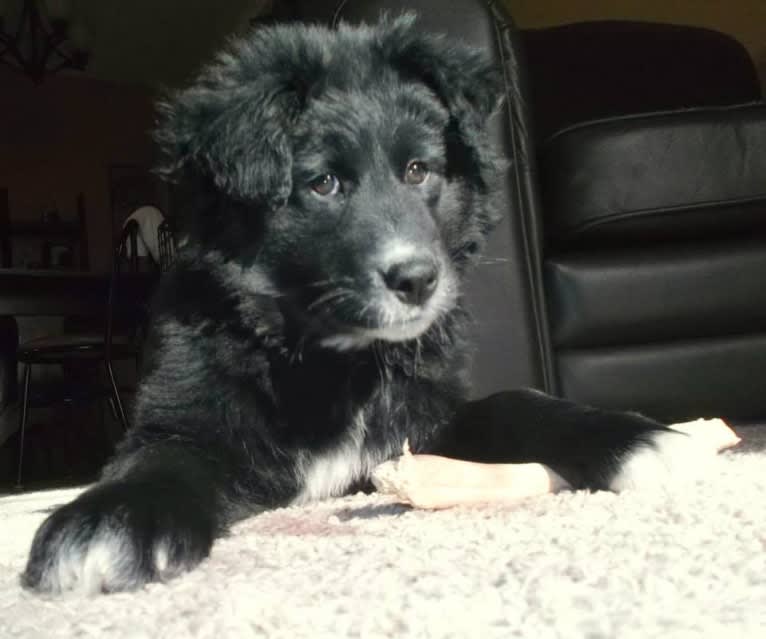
x=342, y=182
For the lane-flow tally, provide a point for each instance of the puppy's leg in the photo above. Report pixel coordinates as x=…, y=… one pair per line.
x=156, y=518
x=589, y=448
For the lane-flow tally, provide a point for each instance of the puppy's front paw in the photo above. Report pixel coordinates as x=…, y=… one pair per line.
x=681, y=452
x=118, y=536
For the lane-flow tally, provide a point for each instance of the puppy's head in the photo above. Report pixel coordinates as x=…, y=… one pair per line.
x=347, y=173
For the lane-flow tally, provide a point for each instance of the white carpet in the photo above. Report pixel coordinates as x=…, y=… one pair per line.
x=685, y=562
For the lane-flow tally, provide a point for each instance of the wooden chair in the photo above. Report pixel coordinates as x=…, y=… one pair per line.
x=120, y=339
x=166, y=243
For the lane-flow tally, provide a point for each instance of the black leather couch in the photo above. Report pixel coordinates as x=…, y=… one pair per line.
x=653, y=188
x=630, y=269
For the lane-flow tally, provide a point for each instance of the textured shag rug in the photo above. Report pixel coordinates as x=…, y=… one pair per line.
x=681, y=562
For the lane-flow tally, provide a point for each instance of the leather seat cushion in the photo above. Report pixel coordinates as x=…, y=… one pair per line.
x=75, y=346
x=671, y=381
x=645, y=295
x=684, y=174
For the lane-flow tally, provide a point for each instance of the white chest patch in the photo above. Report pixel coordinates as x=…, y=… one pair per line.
x=330, y=473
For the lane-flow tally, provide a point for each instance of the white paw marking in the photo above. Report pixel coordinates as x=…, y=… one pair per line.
x=671, y=457
x=161, y=558
x=105, y=563
x=102, y=563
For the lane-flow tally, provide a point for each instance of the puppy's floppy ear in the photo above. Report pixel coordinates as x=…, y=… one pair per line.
x=467, y=81
x=463, y=76
x=232, y=125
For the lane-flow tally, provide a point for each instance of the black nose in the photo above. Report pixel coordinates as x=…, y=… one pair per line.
x=413, y=281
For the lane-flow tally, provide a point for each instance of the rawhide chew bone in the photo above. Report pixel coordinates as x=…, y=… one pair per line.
x=434, y=482
x=713, y=432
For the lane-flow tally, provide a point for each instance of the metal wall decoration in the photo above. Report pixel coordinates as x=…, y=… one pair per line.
x=38, y=37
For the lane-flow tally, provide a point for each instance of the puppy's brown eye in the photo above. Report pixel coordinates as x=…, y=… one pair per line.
x=325, y=185
x=416, y=172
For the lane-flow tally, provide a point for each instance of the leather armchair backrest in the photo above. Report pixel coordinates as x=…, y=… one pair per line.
x=593, y=70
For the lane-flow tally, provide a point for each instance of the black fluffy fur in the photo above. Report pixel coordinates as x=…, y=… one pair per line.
x=252, y=379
